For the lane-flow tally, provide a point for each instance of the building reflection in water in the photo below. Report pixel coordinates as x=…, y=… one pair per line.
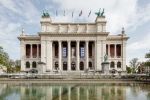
x=73, y=91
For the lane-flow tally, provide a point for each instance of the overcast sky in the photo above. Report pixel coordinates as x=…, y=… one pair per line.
x=134, y=15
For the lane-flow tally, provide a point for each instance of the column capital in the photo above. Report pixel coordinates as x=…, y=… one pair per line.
x=59, y=40
x=49, y=42
x=86, y=40
x=77, y=40
x=68, y=41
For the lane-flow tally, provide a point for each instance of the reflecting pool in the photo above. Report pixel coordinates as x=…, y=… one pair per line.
x=101, y=91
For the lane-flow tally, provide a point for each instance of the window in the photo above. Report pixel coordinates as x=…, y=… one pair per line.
x=64, y=52
x=107, y=49
x=64, y=65
x=90, y=65
x=118, y=64
x=56, y=50
x=82, y=52
x=34, y=50
x=27, y=64
x=28, y=50
x=112, y=65
x=112, y=50
x=56, y=66
x=81, y=66
x=118, y=51
x=34, y=64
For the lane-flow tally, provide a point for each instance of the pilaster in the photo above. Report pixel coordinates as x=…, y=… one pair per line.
x=22, y=53
x=49, y=55
x=98, y=55
x=69, y=58
x=124, y=56
x=43, y=52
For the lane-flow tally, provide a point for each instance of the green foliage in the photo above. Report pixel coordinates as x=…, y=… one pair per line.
x=147, y=63
x=134, y=64
x=129, y=70
x=18, y=68
x=4, y=58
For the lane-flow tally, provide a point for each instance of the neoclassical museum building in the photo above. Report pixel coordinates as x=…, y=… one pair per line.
x=71, y=47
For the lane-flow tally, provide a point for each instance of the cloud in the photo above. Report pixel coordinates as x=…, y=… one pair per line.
x=118, y=12
x=22, y=8
x=15, y=14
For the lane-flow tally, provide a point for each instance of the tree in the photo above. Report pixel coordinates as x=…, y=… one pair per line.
x=134, y=63
x=4, y=58
x=147, y=63
x=128, y=69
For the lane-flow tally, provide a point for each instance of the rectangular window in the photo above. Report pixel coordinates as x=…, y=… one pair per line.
x=82, y=52
x=64, y=53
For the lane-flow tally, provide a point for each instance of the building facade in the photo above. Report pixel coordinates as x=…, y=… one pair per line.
x=72, y=47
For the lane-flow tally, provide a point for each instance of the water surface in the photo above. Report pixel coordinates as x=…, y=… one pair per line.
x=101, y=91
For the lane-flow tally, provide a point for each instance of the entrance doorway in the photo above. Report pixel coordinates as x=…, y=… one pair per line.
x=65, y=66
x=73, y=66
x=81, y=66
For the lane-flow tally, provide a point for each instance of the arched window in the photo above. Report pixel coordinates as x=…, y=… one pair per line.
x=112, y=65
x=64, y=65
x=81, y=66
x=90, y=65
x=34, y=64
x=118, y=64
x=27, y=64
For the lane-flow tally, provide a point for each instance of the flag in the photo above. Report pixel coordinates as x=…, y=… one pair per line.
x=64, y=12
x=72, y=13
x=89, y=14
x=80, y=13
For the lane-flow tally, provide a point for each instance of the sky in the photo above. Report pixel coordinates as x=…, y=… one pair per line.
x=133, y=15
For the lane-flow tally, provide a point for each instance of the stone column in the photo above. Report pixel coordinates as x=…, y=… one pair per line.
x=78, y=54
x=87, y=54
x=60, y=54
x=49, y=55
x=31, y=51
x=69, y=51
x=115, y=51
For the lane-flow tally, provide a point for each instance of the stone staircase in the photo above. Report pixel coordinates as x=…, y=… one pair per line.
x=71, y=75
